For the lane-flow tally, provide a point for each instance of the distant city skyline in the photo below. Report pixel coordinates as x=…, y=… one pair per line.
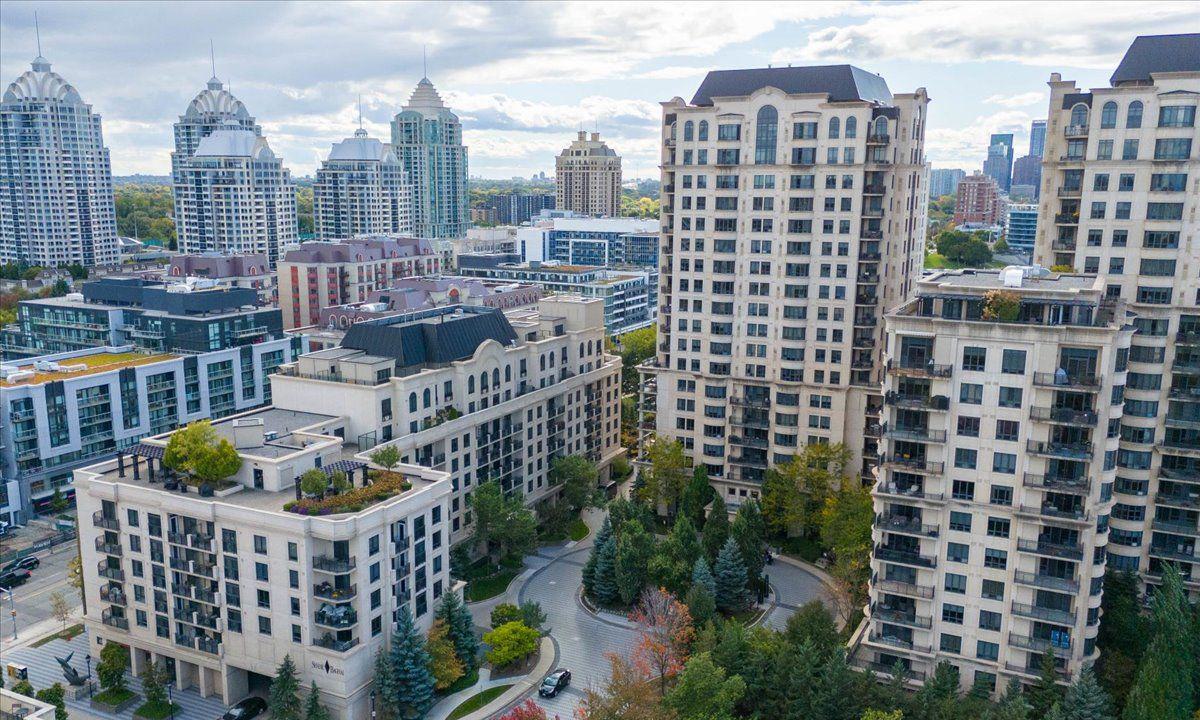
x=524, y=78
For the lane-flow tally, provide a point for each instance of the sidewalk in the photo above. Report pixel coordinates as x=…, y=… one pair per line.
x=28, y=634
x=520, y=686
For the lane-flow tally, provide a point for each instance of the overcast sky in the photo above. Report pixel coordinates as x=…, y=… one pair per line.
x=524, y=76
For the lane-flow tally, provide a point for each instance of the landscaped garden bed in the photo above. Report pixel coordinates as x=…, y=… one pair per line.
x=385, y=484
x=476, y=702
x=114, y=700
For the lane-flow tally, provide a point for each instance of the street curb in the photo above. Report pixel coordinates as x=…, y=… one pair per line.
x=548, y=659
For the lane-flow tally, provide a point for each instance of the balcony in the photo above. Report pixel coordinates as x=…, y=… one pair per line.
x=1070, y=191
x=1053, y=615
x=897, y=642
x=914, y=368
x=113, y=594
x=896, y=587
x=1066, y=219
x=874, y=189
x=1182, y=553
x=742, y=401
x=1185, y=394
x=915, y=434
x=917, y=402
x=1067, y=381
x=754, y=442
x=904, y=557
x=872, y=212
x=1060, y=483
x=1048, y=582
x=1063, y=245
x=336, y=566
x=878, y=139
x=1060, y=647
x=108, y=548
x=110, y=573
x=1188, y=337
x=1065, y=416
x=192, y=567
x=1054, y=512
x=905, y=525
x=108, y=617
x=195, y=592
x=911, y=492
x=1069, y=451
x=914, y=464
x=897, y=617
x=192, y=540
x=1176, y=527
x=890, y=670
x=331, y=643
x=331, y=593
x=108, y=523
x=1075, y=131
x=1051, y=549
x=338, y=618
x=1178, y=499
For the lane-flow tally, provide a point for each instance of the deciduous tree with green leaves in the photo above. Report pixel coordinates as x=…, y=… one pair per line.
x=703, y=691
x=386, y=457
x=444, y=663
x=846, y=530
x=795, y=492
x=696, y=495
x=503, y=525
x=114, y=660
x=511, y=642
x=635, y=546
x=201, y=454
x=667, y=473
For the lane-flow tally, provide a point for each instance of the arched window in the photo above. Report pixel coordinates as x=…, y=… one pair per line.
x=687, y=130
x=1108, y=115
x=581, y=350
x=703, y=134
x=483, y=383
x=766, y=135
x=851, y=127
x=471, y=384
x=1133, y=118
x=426, y=398
x=412, y=402
x=496, y=378
x=542, y=361
x=1079, y=115
x=508, y=373
x=835, y=128
x=880, y=126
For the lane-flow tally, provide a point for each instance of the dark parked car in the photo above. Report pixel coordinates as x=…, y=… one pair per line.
x=13, y=578
x=555, y=682
x=250, y=707
x=25, y=563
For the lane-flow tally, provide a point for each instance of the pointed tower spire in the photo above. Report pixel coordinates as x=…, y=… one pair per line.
x=360, y=127
x=37, y=31
x=424, y=62
x=212, y=56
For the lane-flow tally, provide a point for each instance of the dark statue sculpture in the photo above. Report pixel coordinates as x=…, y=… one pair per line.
x=71, y=674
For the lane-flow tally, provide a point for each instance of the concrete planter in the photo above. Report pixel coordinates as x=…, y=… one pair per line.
x=131, y=701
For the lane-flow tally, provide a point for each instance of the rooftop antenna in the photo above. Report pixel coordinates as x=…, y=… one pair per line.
x=37, y=31
x=212, y=56
x=360, y=127
x=424, y=63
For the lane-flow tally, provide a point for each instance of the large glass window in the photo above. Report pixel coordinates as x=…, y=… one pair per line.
x=766, y=132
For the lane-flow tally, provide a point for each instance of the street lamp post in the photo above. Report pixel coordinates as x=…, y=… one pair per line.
x=12, y=605
x=88, y=659
x=171, y=700
x=372, y=704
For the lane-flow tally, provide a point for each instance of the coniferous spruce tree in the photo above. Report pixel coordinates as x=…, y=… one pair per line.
x=313, y=709
x=604, y=580
x=412, y=683
x=1163, y=688
x=1084, y=700
x=1045, y=692
x=284, y=699
x=716, y=529
x=702, y=575
x=589, y=569
x=384, y=685
x=461, y=628
x=730, y=577
x=1012, y=706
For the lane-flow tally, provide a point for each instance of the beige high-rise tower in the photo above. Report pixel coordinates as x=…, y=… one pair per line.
x=588, y=175
x=1119, y=199
x=792, y=219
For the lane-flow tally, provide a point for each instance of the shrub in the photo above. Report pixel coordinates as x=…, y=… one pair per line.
x=511, y=642
x=384, y=485
x=1001, y=305
x=505, y=613
x=114, y=658
x=313, y=482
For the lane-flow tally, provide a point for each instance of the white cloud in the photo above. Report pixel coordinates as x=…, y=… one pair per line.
x=965, y=147
x=1017, y=101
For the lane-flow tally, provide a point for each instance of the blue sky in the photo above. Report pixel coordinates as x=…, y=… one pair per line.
x=524, y=76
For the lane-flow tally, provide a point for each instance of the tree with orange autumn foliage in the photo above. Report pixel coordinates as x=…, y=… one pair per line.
x=665, y=634
x=626, y=695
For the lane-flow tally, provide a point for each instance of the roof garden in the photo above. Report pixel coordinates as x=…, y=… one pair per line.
x=83, y=365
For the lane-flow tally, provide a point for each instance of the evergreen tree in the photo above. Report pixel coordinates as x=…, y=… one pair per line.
x=1012, y=706
x=696, y=494
x=749, y=531
x=701, y=575
x=313, y=709
x=683, y=534
x=604, y=582
x=813, y=623
x=838, y=697
x=411, y=688
x=1163, y=688
x=716, y=529
x=938, y=696
x=700, y=603
x=284, y=699
x=730, y=578
x=1045, y=692
x=1084, y=700
x=461, y=626
x=635, y=546
x=589, y=569
x=384, y=685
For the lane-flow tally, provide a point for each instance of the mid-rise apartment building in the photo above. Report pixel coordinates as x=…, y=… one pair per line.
x=1020, y=229
x=318, y=275
x=242, y=271
x=481, y=394
x=944, y=181
x=1119, y=199
x=516, y=208
x=591, y=241
x=361, y=189
x=630, y=295
x=587, y=177
x=217, y=587
x=979, y=201
x=56, y=196
x=1003, y=415
x=233, y=195
x=793, y=217
x=427, y=138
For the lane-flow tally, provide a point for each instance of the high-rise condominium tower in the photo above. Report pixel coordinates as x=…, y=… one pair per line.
x=1037, y=138
x=56, y=197
x=793, y=217
x=427, y=137
x=992, y=505
x=1121, y=167
x=588, y=177
x=361, y=189
x=214, y=108
x=233, y=196
x=998, y=165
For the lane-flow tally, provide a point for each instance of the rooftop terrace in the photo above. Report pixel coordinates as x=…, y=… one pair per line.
x=81, y=366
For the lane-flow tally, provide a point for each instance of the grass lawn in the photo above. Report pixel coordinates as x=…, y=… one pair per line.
x=936, y=261
x=462, y=683
x=475, y=702
x=60, y=635
x=157, y=711
x=490, y=586
x=805, y=548
x=578, y=530
x=114, y=697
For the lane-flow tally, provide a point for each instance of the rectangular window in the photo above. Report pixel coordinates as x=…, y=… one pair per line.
x=1004, y=463
x=1008, y=430
x=1010, y=397
x=966, y=458
x=1013, y=362
x=264, y=625
x=998, y=527
x=958, y=552
x=989, y=620
x=968, y=426
x=960, y=521
x=974, y=358
x=952, y=613
x=971, y=394
x=992, y=590
x=995, y=559
x=956, y=583
x=987, y=650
